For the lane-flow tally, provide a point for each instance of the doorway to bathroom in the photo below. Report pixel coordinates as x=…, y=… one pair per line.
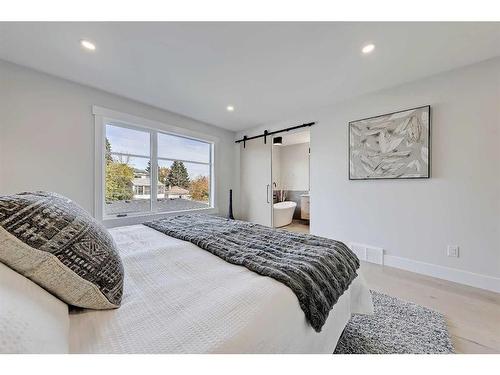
x=274, y=181
x=290, y=171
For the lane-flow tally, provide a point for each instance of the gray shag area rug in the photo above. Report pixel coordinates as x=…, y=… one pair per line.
x=397, y=327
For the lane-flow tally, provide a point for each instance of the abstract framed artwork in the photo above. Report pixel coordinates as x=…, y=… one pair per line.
x=391, y=146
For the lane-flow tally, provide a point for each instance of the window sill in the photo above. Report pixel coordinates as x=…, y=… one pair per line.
x=139, y=218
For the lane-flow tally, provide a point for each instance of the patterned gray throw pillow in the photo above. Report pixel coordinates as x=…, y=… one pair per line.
x=58, y=245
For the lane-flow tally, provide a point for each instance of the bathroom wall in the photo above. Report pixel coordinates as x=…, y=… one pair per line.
x=294, y=167
x=276, y=166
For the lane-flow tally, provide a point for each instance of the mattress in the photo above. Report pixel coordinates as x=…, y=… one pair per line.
x=179, y=298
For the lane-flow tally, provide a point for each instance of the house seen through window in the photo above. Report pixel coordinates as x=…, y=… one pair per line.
x=183, y=172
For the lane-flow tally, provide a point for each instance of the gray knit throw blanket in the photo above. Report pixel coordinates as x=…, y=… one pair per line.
x=318, y=270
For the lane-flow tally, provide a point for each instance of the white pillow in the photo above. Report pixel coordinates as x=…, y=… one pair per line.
x=31, y=319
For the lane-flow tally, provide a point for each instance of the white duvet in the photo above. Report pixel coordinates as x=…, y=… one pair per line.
x=179, y=298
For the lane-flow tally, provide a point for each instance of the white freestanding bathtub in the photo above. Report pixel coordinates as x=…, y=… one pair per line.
x=283, y=213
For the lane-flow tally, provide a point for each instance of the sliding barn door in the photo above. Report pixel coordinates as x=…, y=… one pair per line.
x=256, y=184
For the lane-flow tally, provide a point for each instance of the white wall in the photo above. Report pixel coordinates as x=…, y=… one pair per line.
x=417, y=219
x=47, y=135
x=294, y=167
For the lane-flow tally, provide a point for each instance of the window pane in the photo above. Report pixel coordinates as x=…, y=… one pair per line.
x=127, y=141
x=173, y=147
x=182, y=186
x=128, y=187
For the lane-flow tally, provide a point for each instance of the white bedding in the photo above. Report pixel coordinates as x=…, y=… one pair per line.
x=31, y=319
x=179, y=298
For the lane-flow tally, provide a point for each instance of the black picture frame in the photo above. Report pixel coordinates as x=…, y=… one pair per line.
x=429, y=118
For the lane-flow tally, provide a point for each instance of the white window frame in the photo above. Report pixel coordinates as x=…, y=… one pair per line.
x=103, y=116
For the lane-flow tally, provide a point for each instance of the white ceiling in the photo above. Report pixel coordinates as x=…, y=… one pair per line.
x=267, y=71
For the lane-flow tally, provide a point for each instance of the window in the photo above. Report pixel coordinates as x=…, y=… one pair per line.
x=135, y=156
x=127, y=171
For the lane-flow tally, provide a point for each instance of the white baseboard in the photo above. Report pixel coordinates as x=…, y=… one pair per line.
x=451, y=274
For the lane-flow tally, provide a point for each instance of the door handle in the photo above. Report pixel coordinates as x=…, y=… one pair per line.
x=267, y=192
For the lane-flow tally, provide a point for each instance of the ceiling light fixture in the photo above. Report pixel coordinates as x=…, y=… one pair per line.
x=230, y=108
x=368, y=48
x=87, y=45
x=277, y=141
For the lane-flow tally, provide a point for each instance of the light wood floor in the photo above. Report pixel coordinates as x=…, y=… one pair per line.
x=472, y=315
x=299, y=226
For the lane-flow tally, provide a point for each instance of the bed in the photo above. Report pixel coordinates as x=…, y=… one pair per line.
x=179, y=298
x=180, y=284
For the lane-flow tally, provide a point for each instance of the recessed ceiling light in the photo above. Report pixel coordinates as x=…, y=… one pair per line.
x=87, y=45
x=230, y=108
x=368, y=48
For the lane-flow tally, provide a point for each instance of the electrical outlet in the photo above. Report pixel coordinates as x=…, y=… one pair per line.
x=453, y=251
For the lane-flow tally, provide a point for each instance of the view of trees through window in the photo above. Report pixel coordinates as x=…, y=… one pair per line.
x=183, y=172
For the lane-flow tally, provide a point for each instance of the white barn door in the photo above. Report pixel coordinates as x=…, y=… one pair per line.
x=256, y=188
